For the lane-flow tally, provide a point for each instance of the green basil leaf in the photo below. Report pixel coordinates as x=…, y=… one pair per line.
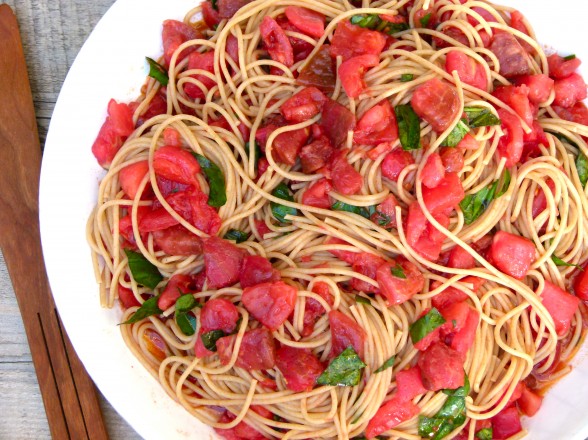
x=186, y=322
x=185, y=303
x=462, y=391
x=582, y=167
x=505, y=184
x=236, y=235
x=398, y=272
x=157, y=71
x=406, y=77
x=394, y=28
x=409, y=127
x=344, y=370
x=570, y=57
x=380, y=218
x=148, y=308
x=281, y=211
x=474, y=205
x=368, y=21
x=209, y=339
x=214, y=4
x=485, y=434
x=559, y=262
x=359, y=210
x=480, y=117
x=456, y=135
x=217, y=196
x=389, y=363
x=362, y=300
x=425, y=325
x=143, y=271
x=425, y=20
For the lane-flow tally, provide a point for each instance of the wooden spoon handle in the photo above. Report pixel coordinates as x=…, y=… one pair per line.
x=69, y=396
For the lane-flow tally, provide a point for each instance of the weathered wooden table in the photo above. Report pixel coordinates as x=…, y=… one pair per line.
x=53, y=32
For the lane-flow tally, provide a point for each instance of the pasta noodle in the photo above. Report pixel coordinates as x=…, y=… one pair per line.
x=516, y=339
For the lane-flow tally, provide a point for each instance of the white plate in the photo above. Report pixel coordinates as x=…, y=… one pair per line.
x=111, y=64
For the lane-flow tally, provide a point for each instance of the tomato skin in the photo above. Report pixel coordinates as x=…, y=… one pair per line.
x=450, y=295
x=388, y=209
x=131, y=176
x=464, y=338
x=177, y=285
x=422, y=235
x=459, y=258
x=433, y=171
x=395, y=162
x=506, y=423
x=468, y=143
x=452, y=158
x=287, y=145
x=175, y=163
x=347, y=256
x=270, y=303
x=336, y=122
x=352, y=71
x=257, y=351
x=540, y=200
x=377, y=125
x=445, y=196
x=346, y=180
x=540, y=86
x=570, y=90
x=257, y=270
x=512, y=254
x=451, y=32
x=222, y=262
x=560, y=68
x=313, y=309
x=276, y=42
x=241, y=431
x=219, y=314
x=157, y=106
x=511, y=55
x=350, y=40
x=561, y=305
x=529, y=402
x=303, y=105
x=345, y=332
x=517, y=22
x=317, y=194
x=409, y=384
x=517, y=97
x=127, y=298
x=398, y=290
x=204, y=216
x=366, y=264
x=392, y=413
x=467, y=69
x=581, y=284
x=578, y=113
x=309, y=22
x=177, y=240
x=156, y=220
x=200, y=61
x=441, y=367
x=114, y=131
x=319, y=72
x=437, y=103
x=510, y=145
x=299, y=366
x=174, y=34
x=315, y=155
x=210, y=15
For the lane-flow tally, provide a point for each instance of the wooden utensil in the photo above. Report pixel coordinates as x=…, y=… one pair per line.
x=68, y=392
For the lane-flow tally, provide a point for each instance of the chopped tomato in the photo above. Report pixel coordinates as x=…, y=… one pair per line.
x=539, y=85
x=219, y=314
x=127, y=298
x=460, y=258
x=241, y=431
x=336, y=122
x=299, y=366
x=222, y=262
x=506, y=423
x=377, y=125
x=581, y=284
x=385, y=215
x=350, y=40
x=270, y=303
x=529, y=402
x=315, y=155
x=309, y=22
x=455, y=316
x=560, y=68
x=200, y=61
x=256, y=270
x=174, y=34
x=517, y=21
x=131, y=176
x=276, y=42
x=392, y=413
x=257, y=351
x=467, y=69
x=395, y=162
x=569, y=90
x=512, y=254
x=540, y=200
x=452, y=158
x=287, y=145
x=210, y=15
x=169, y=187
x=437, y=103
x=346, y=180
x=450, y=295
x=366, y=264
x=157, y=106
x=422, y=235
x=156, y=220
x=303, y=105
x=531, y=141
x=347, y=256
x=177, y=240
x=171, y=136
x=175, y=163
x=578, y=113
x=204, y=216
x=228, y=8
x=177, y=285
x=510, y=145
x=409, y=384
x=269, y=126
x=317, y=194
x=433, y=171
x=517, y=98
x=511, y=55
x=313, y=309
x=319, y=71
x=454, y=33
x=301, y=48
x=561, y=305
x=441, y=367
x=468, y=143
x=445, y=196
x=114, y=131
x=345, y=332
x=351, y=72
x=397, y=289
x=430, y=338
x=464, y=338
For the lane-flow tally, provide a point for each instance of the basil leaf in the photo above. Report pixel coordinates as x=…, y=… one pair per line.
x=456, y=135
x=209, y=339
x=425, y=325
x=148, y=308
x=425, y=20
x=217, y=196
x=186, y=322
x=406, y=77
x=559, y=262
x=394, y=28
x=480, y=117
x=409, y=127
x=505, y=184
x=281, y=211
x=214, y=4
x=185, y=303
x=362, y=300
x=461, y=391
x=389, y=363
x=570, y=57
x=474, y=205
x=359, y=210
x=345, y=370
x=380, y=218
x=369, y=21
x=142, y=270
x=236, y=235
x=582, y=167
x=485, y=434
x=157, y=71
x=398, y=272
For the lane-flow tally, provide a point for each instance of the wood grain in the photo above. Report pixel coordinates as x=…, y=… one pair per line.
x=70, y=401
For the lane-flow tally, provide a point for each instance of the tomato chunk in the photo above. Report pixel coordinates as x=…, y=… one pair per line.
x=345, y=332
x=270, y=303
x=467, y=69
x=228, y=8
x=352, y=71
x=317, y=194
x=346, y=180
x=445, y=196
x=511, y=55
x=222, y=262
x=409, y=384
x=512, y=254
x=529, y=402
x=315, y=155
x=175, y=163
x=309, y=22
x=127, y=298
x=257, y=351
x=464, y=338
x=395, y=162
x=452, y=158
x=210, y=15
x=377, y=125
x=303, y=105
x=506, y=423
x=241, y=431
x=570, y=90
x=313, y=309
x=347, y=256
x=287, y=145
x=560, y=68
x=299, y=366
x=114, y=131
x=433, y=171
x=319, y=71
x=385, y=215
x=177, y=240
x=397, y=289
x=437, y=103
x=131, y=176
x=561, y=305
x=350, y=40
x=578, y=113
x=276, y=42
x=174, y=34
x=460, y=258
x=156, y=220
x=392, y=413
x=219, y=314
x=517, y=97
x=581, y=284
x=177, y=285
x=510, y=145
x=200, y=61
x=540, y=86
x=256, y=270
x=422, y=235
x=366, y=264
x=441, y=367
x=336, y=122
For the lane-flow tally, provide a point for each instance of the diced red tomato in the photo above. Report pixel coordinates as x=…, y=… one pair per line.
x=464, y=338
x=455, y=316
x=377, y=125
x=347, y=256
x=313, y=309
x=510, y=145
x=156, y=220
x=315, y=155
x=459, y=258
x=578, y=113
x=366, y=264
x=287, y=145
x=517, y=98
x=309, y=22
x=317, y=194
x=529, y=402
x=511, y=55
x=437, y=103
x=392, y=413
x=561, y=305
x=468, y=143
x=228, y=8
x=409, y=384
x=581, y=284
x=257, y=351
x=301, y=48
x=506, y=423
x=540, y=200
x=222, y=262
x=433, y=171
x=177, y=285
x=467, y=69
x=346, y=180
x=219, y=314
x=131, y=176
x=430, y=338
x=422, y=235
x=114, y=131
x=345, y=332
x=127, y=298
x=450, y=295
x=232, y=48
x=204, y=216
x=512, y=254
x=177, y=240
x=352, y=71
x=350, y=40
x=299, y=366
x=445, y=196
x=171, y=136
x=200, y=61
x=398, y=290
x=452, y=158
x=175, y=163
x=241, y=431
x=319, y=71
x=451, y=32
x=157, y=106
x=395, y=162
x=441, y=367
x=531, y=141
x=569, y=90
x=270, y=303
x=517, y=21
x=385, y=215
x=336, y=122
x=560, y=68
x=303, y=105
x=256, y=270
x=174, y=34
x=276, y=42
x=540, y=86
x=210, y=15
